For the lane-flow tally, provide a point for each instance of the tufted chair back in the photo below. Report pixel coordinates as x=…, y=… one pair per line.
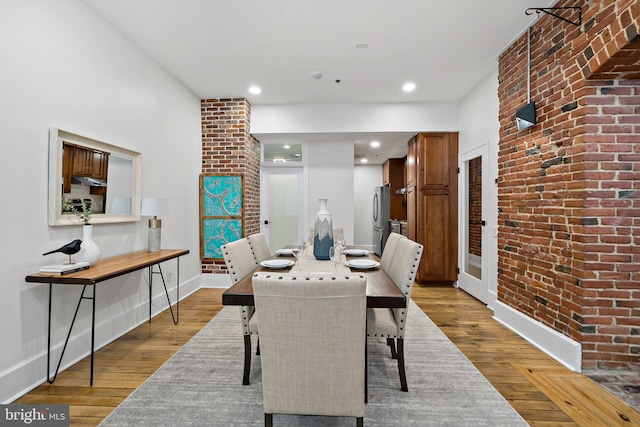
x=403, y=272
x=260, y=247
x=240, y=260
x=389, y=250
x=312, y=339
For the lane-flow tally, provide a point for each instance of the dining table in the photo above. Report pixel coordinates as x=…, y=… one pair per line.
x=381, y=290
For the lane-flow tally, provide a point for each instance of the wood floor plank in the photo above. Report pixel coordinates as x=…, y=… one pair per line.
x=584, y=400
x=499, y=353
x=541, y=396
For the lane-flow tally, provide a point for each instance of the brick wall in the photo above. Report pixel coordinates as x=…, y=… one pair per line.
x=475, y=206
x=569, y=199
x=228, y=147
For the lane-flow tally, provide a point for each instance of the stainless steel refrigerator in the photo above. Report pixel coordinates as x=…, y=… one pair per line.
x=381, y=208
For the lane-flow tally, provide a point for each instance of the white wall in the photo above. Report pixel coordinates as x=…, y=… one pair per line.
x=330, y=176
x=366, y=178
x=64, y=66
x=479, y=126
x=320, y=118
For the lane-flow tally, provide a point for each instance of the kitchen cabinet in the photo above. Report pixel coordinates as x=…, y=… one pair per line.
x=432, y=204
x=90, y=163
x=393, y=176
x=80, y=161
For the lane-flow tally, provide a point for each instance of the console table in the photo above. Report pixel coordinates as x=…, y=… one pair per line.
x=106, y=269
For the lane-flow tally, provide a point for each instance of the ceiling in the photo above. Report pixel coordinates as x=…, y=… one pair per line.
x=364, y=49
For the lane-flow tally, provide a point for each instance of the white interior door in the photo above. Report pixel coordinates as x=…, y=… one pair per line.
x=281, y=206
x=473, y=262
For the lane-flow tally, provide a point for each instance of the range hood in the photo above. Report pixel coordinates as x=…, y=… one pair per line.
x=85, y=180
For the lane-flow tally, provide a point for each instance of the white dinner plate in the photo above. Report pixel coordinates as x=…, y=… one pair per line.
x=285, y=252
x=355, y=252
x=362, y=264
x=277, y=263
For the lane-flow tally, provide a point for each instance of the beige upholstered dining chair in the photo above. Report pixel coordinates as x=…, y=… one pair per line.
x=389, y=250
x=260, y=247
x=392, y=323
x=313, y=343
x=240, y=260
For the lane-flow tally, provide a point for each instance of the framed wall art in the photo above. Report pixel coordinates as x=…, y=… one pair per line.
x=221, y=212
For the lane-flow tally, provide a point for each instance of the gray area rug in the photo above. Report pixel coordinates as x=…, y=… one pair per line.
x=201, y=385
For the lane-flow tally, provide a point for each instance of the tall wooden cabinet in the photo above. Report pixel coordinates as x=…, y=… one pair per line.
x=393, y=175
x=432, y=204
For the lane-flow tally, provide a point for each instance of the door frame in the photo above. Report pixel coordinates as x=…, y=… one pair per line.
x=478, y=288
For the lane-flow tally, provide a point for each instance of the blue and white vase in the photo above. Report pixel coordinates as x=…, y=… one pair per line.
x=323, y=237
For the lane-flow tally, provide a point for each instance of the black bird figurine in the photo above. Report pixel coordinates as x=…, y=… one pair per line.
x=68, y=249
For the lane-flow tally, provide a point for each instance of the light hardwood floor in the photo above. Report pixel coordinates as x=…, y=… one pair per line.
x=542, y=391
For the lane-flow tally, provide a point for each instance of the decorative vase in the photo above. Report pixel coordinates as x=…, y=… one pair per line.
x=89, y=250
x=323, y=237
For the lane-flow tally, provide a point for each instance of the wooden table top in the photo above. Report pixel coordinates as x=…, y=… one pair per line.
x=381, y=291
x=109, y=268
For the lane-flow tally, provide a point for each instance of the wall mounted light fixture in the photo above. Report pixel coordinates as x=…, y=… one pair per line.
x=526, y=115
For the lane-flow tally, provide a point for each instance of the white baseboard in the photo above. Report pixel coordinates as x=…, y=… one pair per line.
x=216, y=281
x=492, y=299
x=28, y=374
x=563, y=349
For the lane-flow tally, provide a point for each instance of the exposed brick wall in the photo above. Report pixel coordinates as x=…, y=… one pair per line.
x=475, y=206
x=569, y=207
x=228, y=147
x=610, y=243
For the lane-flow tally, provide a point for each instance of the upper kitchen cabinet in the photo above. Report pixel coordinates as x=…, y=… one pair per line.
x=83, y=162
x=393, y=176
x=90, y=163
x=432, y=204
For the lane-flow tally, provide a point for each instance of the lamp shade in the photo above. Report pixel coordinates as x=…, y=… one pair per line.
x=154, y=207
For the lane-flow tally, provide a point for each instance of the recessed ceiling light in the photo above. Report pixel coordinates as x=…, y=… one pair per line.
x=363, y=160
x=255, y=90
x=375, y=144
x=408, y=87
x=287, y=147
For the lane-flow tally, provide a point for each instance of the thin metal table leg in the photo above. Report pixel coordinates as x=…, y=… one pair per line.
x=66, y=341
x=150, y=289
x=93, y=331
x=177, y=291
x=175, y=316
x=49, y=338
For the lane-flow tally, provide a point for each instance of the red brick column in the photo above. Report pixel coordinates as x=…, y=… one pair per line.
x=228, y=147
x=569, y=187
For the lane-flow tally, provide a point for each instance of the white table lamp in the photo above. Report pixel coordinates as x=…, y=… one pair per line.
x=154, y=207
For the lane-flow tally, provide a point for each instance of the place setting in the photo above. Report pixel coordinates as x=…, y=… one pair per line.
x=362, y=264
x=277, y=264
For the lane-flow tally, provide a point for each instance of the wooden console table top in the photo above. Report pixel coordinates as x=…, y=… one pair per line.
x=109, y=268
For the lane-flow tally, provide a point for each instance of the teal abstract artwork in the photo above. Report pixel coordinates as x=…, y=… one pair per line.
x=222, y=196
x=221, y=213
x=219, y=232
